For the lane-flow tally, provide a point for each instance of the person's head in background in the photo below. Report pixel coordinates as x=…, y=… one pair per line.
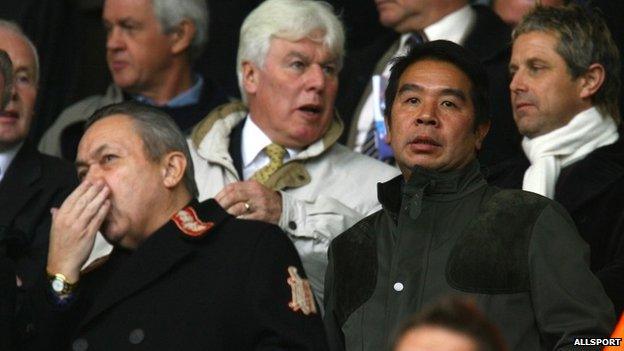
x=512, y=11
x=151, y=44
x=451, y=324
x=16, y=117
x=406, y=16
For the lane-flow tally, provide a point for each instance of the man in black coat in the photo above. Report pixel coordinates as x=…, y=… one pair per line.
x=30, y=183
x=565, y=103
x=476, y=28
x=182, y=275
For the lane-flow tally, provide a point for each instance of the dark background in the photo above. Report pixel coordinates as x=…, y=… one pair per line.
x=70, y=40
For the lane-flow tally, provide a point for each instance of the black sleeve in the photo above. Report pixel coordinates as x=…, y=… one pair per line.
x=32, y=260
x=568, y=299
x=279, y=325
x=335, y=336
x=7, y=302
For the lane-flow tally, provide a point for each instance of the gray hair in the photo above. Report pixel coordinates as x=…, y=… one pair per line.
x=159, y=133
x=171, y=12
x=291, y=20
x=584, y=39
x=15, y=28
x=6, y=71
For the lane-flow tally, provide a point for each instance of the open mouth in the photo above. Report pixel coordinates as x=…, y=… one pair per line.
x=9, y=114
x=311, y=109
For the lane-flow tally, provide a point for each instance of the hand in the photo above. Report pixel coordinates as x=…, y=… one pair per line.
x=74, y=226
x=263, y=203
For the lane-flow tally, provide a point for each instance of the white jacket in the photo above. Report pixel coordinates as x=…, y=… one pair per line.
x=342, y=186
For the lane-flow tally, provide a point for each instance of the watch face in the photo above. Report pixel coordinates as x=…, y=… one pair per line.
x=57, y=285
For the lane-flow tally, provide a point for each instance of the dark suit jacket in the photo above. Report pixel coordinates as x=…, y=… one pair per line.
x=592, y=191
x=7, y=302
x=489, y=39
x=226, y=290
x=33, y=184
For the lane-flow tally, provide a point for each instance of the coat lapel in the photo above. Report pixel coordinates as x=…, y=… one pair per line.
x=154, y=259
x=18, y=185
x=591, y=176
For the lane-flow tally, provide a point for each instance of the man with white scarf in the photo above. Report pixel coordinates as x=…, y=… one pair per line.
x=565, y=81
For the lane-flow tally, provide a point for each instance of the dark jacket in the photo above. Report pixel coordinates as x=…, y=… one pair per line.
x=226, y=290
x=592, y=191
x=33, y=184
x=516, y=254
x=7, y=302
x=185, y=116
x=489, y=39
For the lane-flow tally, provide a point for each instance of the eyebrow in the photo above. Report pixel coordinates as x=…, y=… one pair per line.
x=304, y=57
x=96, y=153
x=25, y=69
x=445, y=91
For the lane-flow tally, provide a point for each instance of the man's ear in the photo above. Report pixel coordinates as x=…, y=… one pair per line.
x=173, y=166
x=480, y=132
x=388, y=137
x=591, y=80
x=250, y=77
x=182, y=36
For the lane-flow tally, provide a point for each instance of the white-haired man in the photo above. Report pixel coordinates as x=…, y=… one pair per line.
x=150, y=49
x=275, y=158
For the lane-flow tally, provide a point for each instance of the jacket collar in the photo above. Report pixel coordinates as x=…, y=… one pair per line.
x=211, y=137
x=154, y=258
x=584, y=180
x=432, y=185
x=17, y=186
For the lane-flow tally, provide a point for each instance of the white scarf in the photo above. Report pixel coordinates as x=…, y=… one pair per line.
x=550, y=152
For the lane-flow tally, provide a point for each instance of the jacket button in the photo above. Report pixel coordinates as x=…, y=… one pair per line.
x=80, y=345
x=398, y=286
x=292, y=225
x=136, y=336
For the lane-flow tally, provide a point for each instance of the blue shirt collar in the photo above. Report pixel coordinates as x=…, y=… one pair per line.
x=188, y=97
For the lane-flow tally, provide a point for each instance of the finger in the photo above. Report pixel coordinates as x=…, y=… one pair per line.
x=92, y=208
x=73, y=197
x=86, y=198
x=232, y=196
x=238, y=209
x=98, y=219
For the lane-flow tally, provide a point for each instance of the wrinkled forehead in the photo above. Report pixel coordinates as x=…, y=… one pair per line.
x=111, y=132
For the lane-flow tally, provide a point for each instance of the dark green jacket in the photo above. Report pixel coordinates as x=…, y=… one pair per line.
x=515, y=253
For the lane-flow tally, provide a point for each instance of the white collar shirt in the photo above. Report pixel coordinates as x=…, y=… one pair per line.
x=6, y=158
x=253, y=142
x=453, y=27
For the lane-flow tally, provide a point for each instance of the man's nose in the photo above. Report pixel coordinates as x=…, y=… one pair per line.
x=427, y=115
x=93, y=174
x=316, y=78
x=114, y=39
x=517, y=82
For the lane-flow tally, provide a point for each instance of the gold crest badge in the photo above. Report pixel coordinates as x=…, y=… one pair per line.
x=302, y=298
x=188, y=222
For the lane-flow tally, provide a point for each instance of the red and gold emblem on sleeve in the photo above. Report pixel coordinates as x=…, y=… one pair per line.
x=302, y=298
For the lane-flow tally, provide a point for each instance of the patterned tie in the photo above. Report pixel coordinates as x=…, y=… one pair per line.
x=369, y=147
x=276, y=155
